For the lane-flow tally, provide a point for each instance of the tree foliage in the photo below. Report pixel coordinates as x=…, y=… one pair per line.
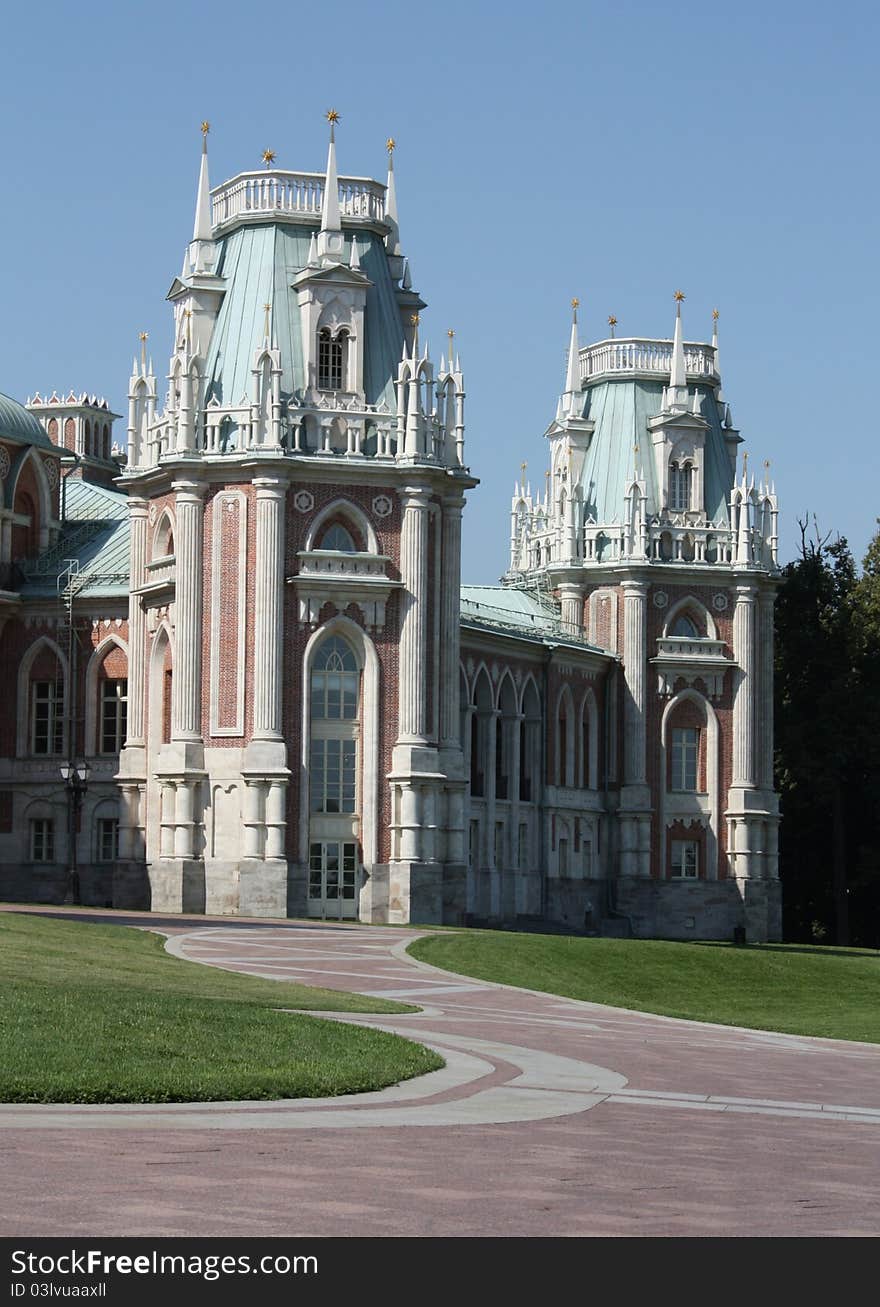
x=828, y=742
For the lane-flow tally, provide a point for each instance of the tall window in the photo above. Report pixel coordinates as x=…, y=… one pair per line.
x=114, y=714
x=680, y=476
x=685, y=859
x=333, y=749
x=331, y=359
x=42, y=840
x=107, y=839
x=685, y=755
x=47, y=717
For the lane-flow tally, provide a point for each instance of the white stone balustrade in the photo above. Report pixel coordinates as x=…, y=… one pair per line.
x=638, y=357
x=296, y=194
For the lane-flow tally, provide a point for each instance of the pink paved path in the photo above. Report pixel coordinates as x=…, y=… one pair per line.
x=552, y=1117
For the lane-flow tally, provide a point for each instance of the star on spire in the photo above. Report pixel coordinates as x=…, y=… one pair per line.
x=206, y=127
x=678, y=297
x=612, y=323
x=268, y=158
x=390, y=144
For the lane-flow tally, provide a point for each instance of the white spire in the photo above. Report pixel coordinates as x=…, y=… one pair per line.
x=677, y=392
x=572, y=381
x=720, y=394
x=392, y=241
x=330, y=219
x=355, y=253
x=202, y=225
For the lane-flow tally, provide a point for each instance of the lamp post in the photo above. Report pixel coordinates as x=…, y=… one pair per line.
x=76, y=781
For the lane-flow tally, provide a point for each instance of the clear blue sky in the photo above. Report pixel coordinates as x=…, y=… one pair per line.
x=613, y=151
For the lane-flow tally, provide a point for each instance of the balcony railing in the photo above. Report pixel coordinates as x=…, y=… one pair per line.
x=259, y=194
x=651, y=358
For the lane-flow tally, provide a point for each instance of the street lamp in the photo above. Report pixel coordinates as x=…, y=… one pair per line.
x=76, y=781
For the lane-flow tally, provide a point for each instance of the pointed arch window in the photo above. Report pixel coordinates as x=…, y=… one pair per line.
x=332, y=359
x=680, y=482
x=333, y=748
x=684, y=628
x=339, y=538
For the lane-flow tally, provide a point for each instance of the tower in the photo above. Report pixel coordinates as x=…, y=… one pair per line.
x=660, y=550
x=293, y=743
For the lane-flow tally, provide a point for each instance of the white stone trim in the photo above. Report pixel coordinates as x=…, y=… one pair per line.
x=682, y=605
x=692, y=806
x=365, y=652
x=220, y=500
x=345, y=508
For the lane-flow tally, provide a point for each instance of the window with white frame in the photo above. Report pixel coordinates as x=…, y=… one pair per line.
x=47, y=717
x=339, y=538
x=335, y=685
x=42, y=839
x=332, y=775
x=331, y=359
x=114, y=715
x=685, y=754
x=680, y=478
x=107, y=839
x=685, y=859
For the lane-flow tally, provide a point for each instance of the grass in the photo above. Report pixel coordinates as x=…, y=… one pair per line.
x=800, y=990
x=102, y=1014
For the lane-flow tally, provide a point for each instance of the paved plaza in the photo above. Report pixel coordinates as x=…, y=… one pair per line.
x=551, y=1117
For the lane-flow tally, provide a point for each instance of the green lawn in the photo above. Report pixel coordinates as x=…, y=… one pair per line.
x=798, y=989
x=102, y=1014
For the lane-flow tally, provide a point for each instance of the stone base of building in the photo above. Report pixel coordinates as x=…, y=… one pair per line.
x=21, y=883
x=652, y=909
x=424, y=893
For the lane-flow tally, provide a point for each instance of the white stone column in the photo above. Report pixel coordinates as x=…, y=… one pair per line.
x=268, y=607
x=412, y=685
x=253, y=819
x=275, y=819
x=765, y=709
x=186, y=699
x=634, y=637
x=572, y=608
x=450, y=622
x=137, y=622
x=744, y=701
x=409, y=823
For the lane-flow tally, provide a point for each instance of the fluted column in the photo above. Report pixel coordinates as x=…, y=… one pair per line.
x=634, y=636
x=414, y=625
x=765, y=712
x=450, y=622
x=186, y=701
x=572, y=608
x=744, y=700
x=268, y=607
x=137, y=622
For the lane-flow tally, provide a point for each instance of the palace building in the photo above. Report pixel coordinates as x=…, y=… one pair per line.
x=243, y=675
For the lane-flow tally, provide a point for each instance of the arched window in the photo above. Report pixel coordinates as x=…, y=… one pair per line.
x=332, y=351
x=680, y=477
x=338, y=538
x=334, y=682
x=683, y=628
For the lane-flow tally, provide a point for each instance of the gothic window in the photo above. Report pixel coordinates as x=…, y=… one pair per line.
x=332, y=352
x=114, y=714
x=684, y=628
x=47, y=717
x=107, y=839
x=685, y=758
x=680, y=478
x=42, y=839
x=339, y=538
x=685, y=860
x=333, y=747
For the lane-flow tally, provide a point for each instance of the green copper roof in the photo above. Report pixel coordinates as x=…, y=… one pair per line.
x=95, y=534
x=620, y=410
x=20, y=426
x=517, y=612
x=259, y=264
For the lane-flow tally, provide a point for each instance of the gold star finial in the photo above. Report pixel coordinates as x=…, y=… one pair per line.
x=268, y=158
x=522, y=468
x=451, y=334
x=390, y=144
x=715, y=315
x=332, y=116
x=415, y=319
x=679, y=296
x=575, y=302
x=612, y=323
x=206, y=127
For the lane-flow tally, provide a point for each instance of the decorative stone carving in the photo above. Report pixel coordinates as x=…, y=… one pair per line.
x=4, y=463
x=720, y=602
x=661, y=599
x=50, y=466
x=304, y=501
x=382, y=506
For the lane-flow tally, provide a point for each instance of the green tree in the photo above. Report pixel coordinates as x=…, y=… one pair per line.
x=819, y=735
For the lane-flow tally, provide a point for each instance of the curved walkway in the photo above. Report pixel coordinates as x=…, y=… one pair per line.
x=552, y=1116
